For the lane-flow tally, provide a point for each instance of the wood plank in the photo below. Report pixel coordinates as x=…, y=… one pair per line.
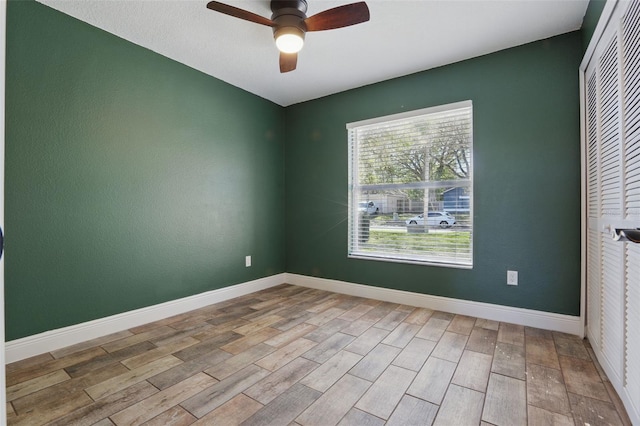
x=462, y=324
x=325, y=350
x=187, y=369
x=174, y=416
x=108, y=405
x=288, y=323
x=391, y=320
x=512, y=334
x=255, y=326
x=538, y=332
x=540, y=417
x=401, y=335
x=238, y=362
x=383, y=396
x=323, y=377
x=46, y=367
x=101, y=361
x=482, y=340
x=571, y=346
x=214, y=396
x=160, y=402
x=460, y=407
x=203, y=334
x=46, y=413
x=488, y=324
x=134, y=339
x=357, y=327
x=432, y=380
x=379, y=311
x=443, y=315
x=357, y=417
x=582, y=378
x=231, y=413
x=375, y=362
x=158, y=353
x=207, y=346
x=413, y=411
x=367, y=341
x=267, y=389
x=285, y=408
x=241, y=345
x=414, y=355
x=542, y=351
x=104, y=422
x=433, y=329
x=324, y=305
x=473, y=371
x=509, y=360
x=419, y=316
x=327, y=330
x=37, y=383
x=329, y=408
x=593, y=411
x=355, y=312
x=505, y=402
x=290, y=335
x=60, y=353
x=450, y=346
x=66, y=388
x=545, y=389
x=28, y=363
x=132, y=377
x=285, y=354
x=349, y=302
x=324, y=317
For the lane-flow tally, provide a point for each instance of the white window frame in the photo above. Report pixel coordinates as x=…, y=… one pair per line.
x=355, y=189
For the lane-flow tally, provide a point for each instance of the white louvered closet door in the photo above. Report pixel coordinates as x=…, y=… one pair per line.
x=612, y=154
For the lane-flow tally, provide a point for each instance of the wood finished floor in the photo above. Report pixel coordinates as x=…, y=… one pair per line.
x=292, y=355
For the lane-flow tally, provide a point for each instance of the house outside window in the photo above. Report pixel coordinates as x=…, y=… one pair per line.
x=411, y=187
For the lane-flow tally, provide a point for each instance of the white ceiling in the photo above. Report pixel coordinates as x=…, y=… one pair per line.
x=402, y=37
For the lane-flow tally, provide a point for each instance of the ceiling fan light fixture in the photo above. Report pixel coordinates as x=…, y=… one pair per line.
x=289, y=39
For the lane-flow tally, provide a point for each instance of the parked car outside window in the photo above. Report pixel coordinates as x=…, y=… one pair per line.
x=368, y=207
x=442, y=219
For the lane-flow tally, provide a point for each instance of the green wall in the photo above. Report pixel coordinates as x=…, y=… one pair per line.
x=526, y=187
x=130, y=179
x=590, y=21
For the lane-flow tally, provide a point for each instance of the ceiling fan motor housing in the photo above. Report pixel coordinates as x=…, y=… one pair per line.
x=289, y=16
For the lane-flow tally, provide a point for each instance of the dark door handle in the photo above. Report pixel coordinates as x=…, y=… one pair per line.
x=1, y=242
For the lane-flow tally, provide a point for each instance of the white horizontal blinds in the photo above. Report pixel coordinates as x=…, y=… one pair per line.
x=612, y=252
x=594, y=288
x=631, y=108
x=407, y=166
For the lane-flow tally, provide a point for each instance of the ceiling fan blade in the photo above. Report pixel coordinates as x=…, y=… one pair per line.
x=239, y=13
x=338, y=17
x=288, y=61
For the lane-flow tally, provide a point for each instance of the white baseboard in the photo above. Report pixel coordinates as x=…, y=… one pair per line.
x=48, y=341
x=545, y=320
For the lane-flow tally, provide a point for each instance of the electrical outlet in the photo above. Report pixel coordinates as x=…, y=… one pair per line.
x=512, y=277
x=247, y=261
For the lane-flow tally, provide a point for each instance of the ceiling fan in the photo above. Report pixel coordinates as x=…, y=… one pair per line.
x=290, y=23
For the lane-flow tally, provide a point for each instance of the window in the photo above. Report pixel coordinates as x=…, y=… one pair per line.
x=410, y=187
